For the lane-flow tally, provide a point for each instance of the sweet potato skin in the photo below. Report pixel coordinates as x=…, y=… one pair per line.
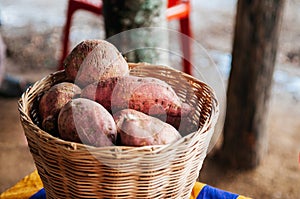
x=181, y=121
x=52, y=102
x=92, y=60
x=101, y=91
x=145, y=94
x=138, y=129
x=148, y=95
x=85, y=121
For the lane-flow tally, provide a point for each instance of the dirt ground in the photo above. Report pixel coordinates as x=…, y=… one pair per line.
x=33, y=53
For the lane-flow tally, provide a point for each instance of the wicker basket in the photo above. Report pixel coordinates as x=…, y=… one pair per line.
x=72, y=170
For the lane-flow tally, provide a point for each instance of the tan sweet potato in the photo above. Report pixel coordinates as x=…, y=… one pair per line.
x=85, y=121
x=52, y=101
x=138, y=129
x=92, y=60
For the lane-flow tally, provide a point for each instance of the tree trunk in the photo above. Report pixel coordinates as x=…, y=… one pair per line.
x=138, y=45
x=253, y=59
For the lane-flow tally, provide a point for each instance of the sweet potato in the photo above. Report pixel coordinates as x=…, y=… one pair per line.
x=101, y=91
x=148, y=95
x=183, y=121
x=138, y=129
x=52, y=101
x=145, y=94
x=85, y=121
x=92, y=60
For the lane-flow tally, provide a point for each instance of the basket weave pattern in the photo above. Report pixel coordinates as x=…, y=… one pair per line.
x=73, y=170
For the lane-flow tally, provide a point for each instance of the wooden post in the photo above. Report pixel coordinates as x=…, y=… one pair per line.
x=120, y=15
x=253, y=59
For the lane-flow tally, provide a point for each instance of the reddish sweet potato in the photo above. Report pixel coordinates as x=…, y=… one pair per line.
x=52, y=101
x=85, y=121
x=145, y=94
x=138, y=129
x=183, y=121
x=101, y=91
x=148, y=95
x=92, y=60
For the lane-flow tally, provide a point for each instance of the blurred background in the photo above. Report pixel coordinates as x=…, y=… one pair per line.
x=32, y=32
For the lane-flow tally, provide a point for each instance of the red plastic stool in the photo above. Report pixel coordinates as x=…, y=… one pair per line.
x=177, y=9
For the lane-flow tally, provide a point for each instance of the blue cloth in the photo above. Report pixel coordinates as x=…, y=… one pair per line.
x=41, y=194
x=209, y=192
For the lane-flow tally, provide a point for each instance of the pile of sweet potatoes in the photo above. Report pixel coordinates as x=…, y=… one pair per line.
x=101, y=104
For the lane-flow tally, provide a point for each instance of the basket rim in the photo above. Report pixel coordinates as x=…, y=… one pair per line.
x=24, y=111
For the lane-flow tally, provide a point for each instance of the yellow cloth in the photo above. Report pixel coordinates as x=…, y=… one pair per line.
x=196, y=190
x=25, y=188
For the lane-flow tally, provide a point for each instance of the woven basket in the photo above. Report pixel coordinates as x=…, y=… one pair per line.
x=73, y=170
